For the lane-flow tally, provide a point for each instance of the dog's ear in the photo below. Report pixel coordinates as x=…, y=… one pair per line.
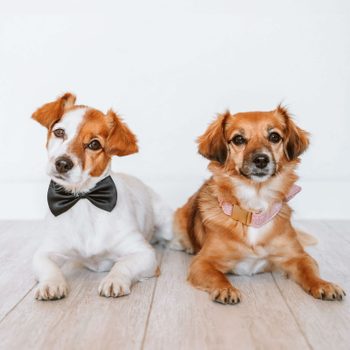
x=121, y=141
x=212, y=143
x=296, y=139
x=51, y=112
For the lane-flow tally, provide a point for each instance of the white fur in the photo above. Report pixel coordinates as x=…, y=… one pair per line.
x=255, y=201
x=256, y=262
x=252, y=200
x=117, y=241
x=255, y=234
x=250, y=266
x=249, y=197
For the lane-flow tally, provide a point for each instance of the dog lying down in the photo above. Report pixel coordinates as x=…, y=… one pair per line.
x=239, y=220
x=102, y=219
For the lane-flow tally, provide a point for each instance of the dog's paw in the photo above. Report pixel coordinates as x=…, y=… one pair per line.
x=51, y=290
x=326, y=291
x=229, y=295
x=114, y=286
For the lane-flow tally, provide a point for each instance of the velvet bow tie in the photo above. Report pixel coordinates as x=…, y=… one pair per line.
x=103, y=196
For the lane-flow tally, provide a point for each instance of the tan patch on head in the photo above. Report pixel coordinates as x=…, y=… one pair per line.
x=93, y=127
x=100, y=127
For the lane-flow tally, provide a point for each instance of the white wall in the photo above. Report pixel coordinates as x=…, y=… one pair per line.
x=168, y=68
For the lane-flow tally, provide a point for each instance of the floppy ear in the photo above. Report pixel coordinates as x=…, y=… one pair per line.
x=121, y=141
x=296, y=139
x=212, y=143
x=51, y=112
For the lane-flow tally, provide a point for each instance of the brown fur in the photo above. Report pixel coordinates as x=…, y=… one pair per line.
x=220, y=242
x=121, y=141
x=50, y=113
x=113, y=134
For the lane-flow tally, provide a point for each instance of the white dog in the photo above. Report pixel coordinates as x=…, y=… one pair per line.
x=102, y=219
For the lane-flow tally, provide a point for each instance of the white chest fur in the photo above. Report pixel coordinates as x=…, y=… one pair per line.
x=256, y=201
x=255, y=235
x=256, y=262
x=250, y=266
x=250, y=199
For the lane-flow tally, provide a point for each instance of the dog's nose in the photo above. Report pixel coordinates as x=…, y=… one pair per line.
x=63, y=164
x=261, y=160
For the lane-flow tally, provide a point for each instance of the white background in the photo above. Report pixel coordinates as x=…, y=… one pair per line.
x=168, y=68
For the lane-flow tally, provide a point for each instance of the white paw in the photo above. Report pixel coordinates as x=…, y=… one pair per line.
x=114, y=286
x=51, y=290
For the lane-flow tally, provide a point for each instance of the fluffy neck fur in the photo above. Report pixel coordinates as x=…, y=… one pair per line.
x=250, y=195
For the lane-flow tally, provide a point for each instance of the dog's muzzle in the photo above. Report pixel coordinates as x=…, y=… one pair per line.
x=259, y=165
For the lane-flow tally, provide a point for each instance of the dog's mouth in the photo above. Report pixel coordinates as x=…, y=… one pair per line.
x=257, y=175
x=250, y=174
x=260, y=173
x=59, y=177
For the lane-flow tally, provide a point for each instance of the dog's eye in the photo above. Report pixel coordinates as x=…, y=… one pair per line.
x=59, y=133
x=274, y=137
x=239, y=140
x=94, y=145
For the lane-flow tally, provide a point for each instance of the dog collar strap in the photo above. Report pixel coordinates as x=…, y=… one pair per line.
x=257, y=220
x=103, y=196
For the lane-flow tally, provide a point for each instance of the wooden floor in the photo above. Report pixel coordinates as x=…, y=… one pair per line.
x=165, y=312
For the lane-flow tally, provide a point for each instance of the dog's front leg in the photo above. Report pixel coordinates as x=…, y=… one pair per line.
x=205, y=276
x=52, y=284
x=130, y=268
x=304, y=270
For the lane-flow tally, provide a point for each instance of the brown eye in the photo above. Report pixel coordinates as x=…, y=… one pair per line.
x=94, y=145
x=239, y=140
x=274, y=137
x=59, y=133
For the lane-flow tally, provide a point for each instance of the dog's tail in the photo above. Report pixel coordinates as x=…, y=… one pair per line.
x=181, y=240
x=306, y=239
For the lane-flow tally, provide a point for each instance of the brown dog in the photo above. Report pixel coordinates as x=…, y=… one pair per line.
x=239, y=220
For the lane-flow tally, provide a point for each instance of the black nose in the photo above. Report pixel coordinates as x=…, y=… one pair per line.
x=261, y=160
x=63, y=164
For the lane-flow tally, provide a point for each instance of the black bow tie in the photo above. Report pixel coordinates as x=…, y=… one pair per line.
x=103, y=196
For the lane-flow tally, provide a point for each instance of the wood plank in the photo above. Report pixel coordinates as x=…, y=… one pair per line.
x=181, y=316
x=18, y=241
x=185, y=318
x=324, y=323
x=340, y=227
x=5, y=225
x=83, y=320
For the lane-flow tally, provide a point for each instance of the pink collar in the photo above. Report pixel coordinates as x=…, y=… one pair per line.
x=257, y=219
